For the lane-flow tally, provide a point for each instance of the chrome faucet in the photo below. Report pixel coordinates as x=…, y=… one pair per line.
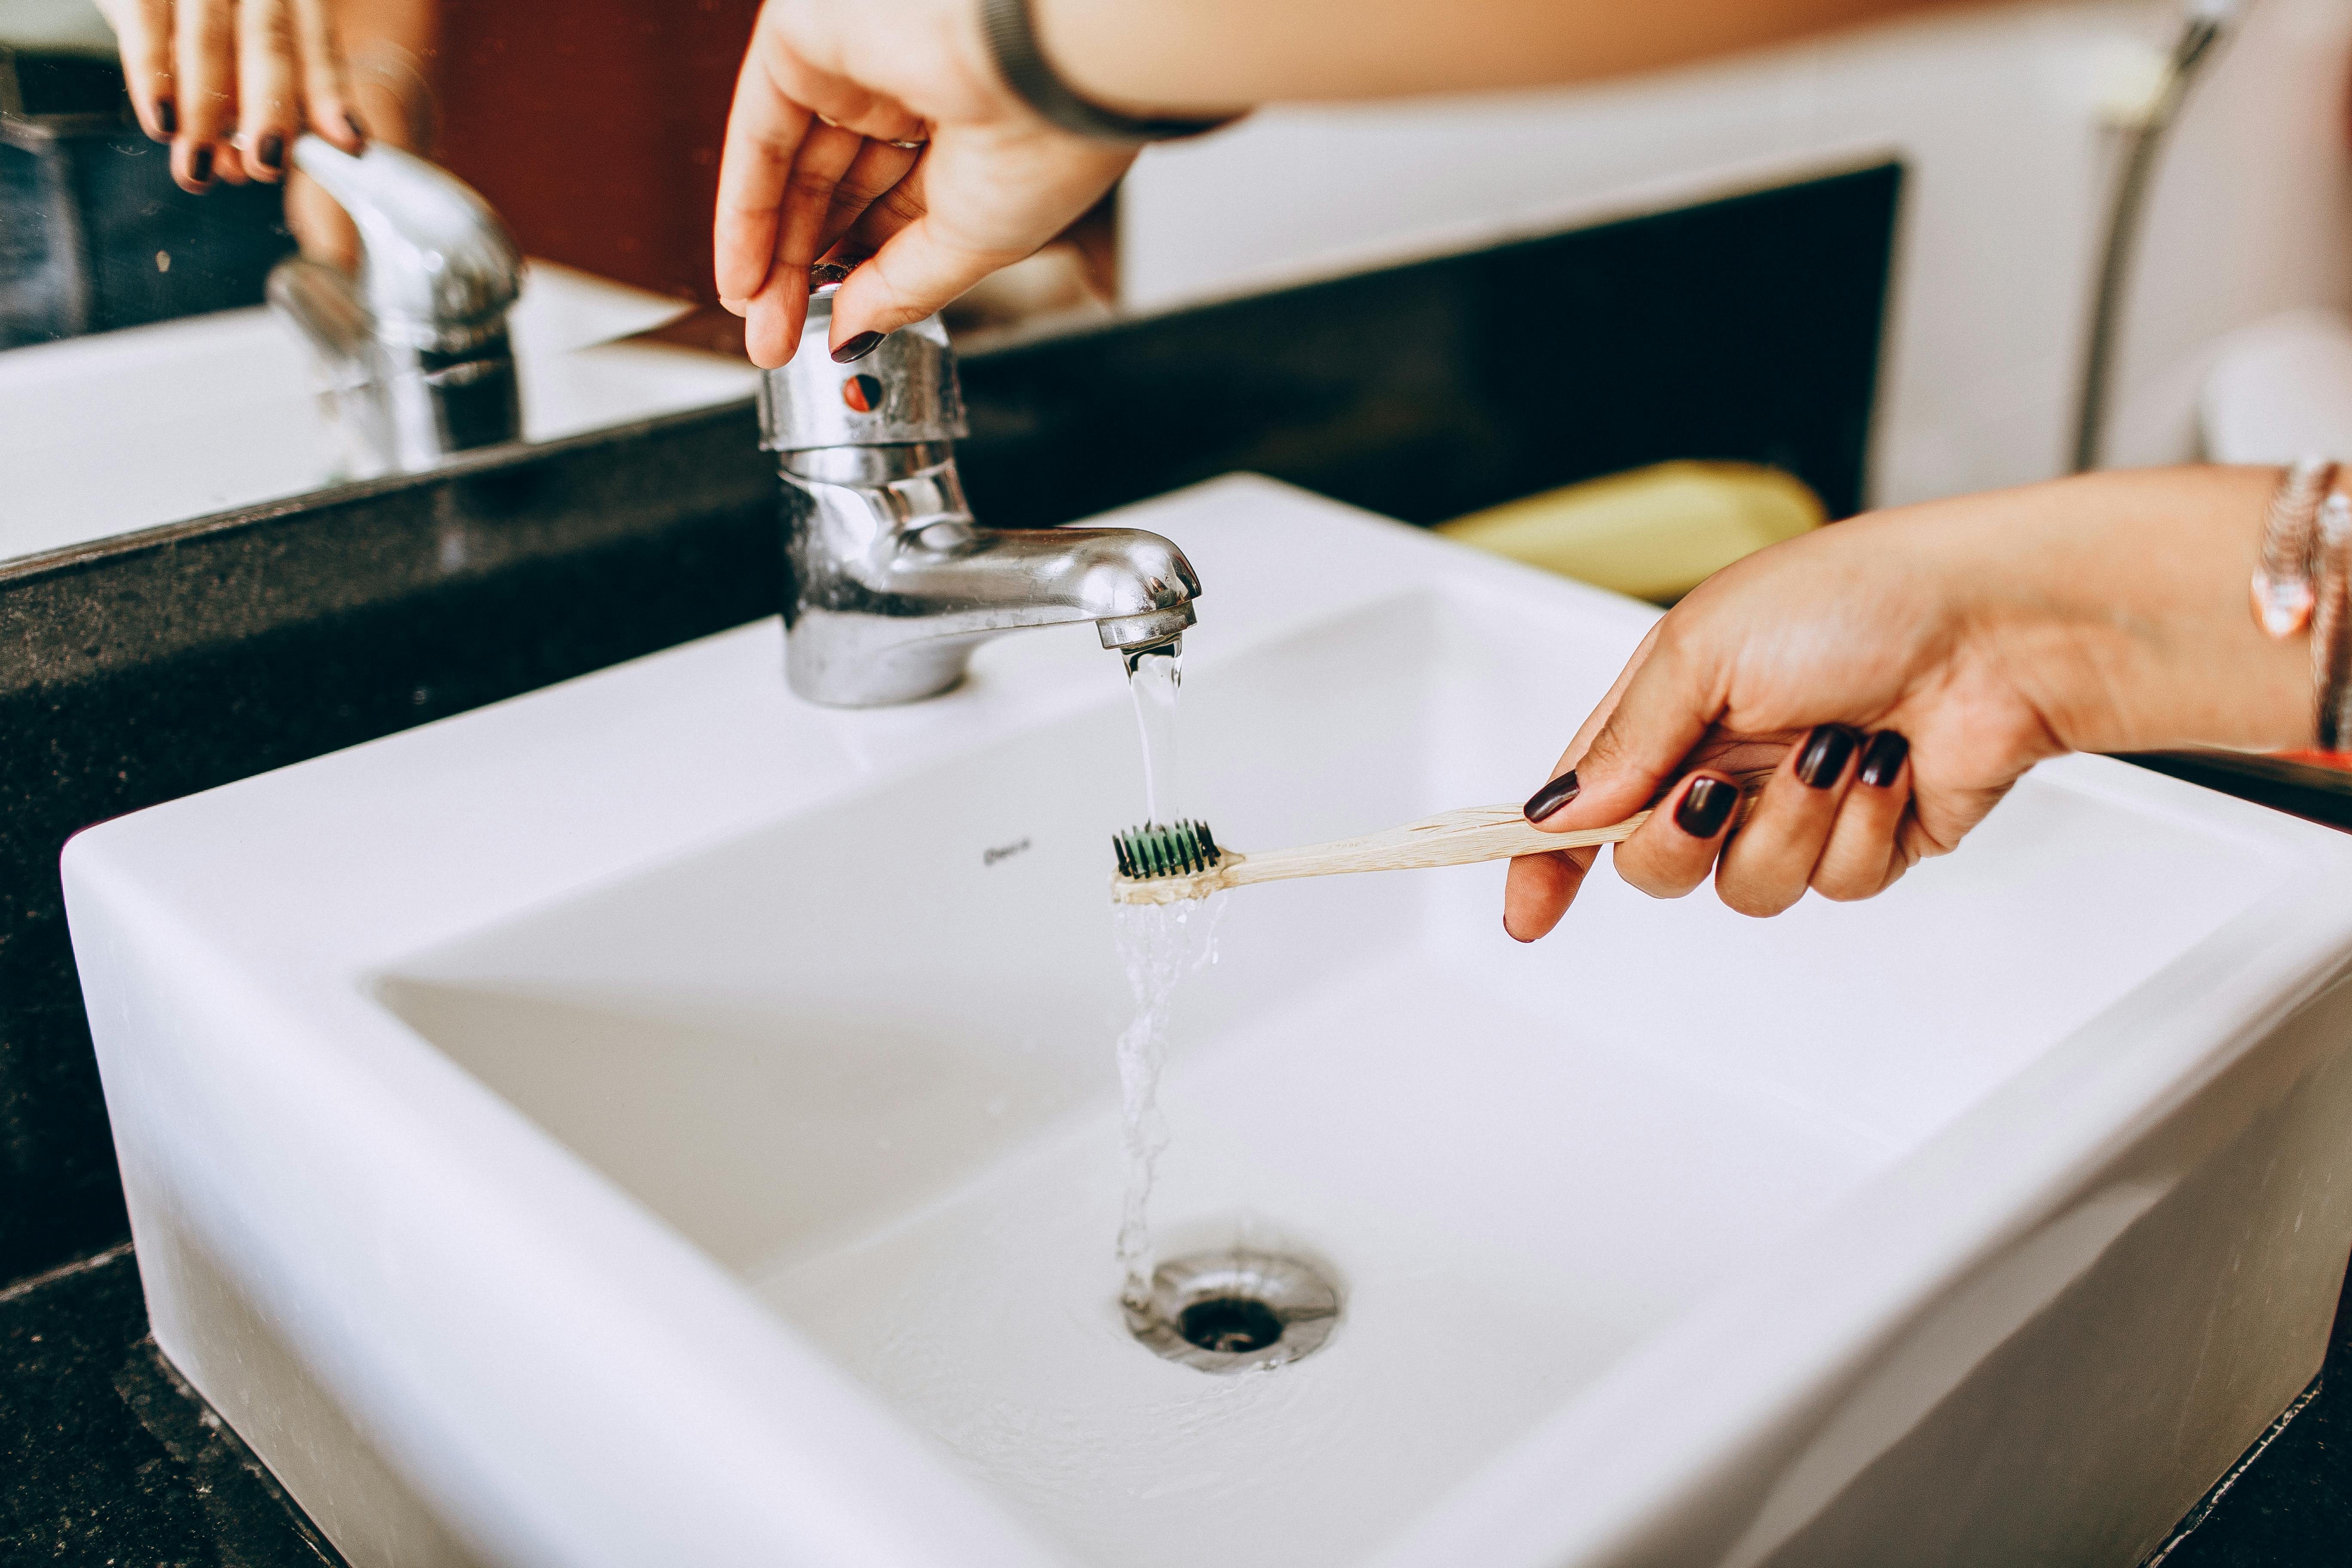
x=414, y=355
x=890, y=584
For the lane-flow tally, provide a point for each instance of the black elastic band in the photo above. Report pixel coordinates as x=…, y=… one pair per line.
x=1013, y=43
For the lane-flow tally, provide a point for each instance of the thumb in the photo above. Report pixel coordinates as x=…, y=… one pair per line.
x=984, y=197
x=918, y=270
x=1636, y=738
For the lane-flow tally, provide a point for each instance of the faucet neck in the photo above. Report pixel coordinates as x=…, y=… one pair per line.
x=862, y=465
x=857, y=510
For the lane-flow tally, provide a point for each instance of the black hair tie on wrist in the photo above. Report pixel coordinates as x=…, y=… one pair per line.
x=1013, y=44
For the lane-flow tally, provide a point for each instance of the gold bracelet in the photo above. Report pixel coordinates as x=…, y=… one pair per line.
x=2303, y=577
x=2285, y=577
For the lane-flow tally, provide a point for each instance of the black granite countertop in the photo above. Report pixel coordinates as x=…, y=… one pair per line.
x=111, y=1459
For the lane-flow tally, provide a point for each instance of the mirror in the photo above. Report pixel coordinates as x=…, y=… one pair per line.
x=521, y=251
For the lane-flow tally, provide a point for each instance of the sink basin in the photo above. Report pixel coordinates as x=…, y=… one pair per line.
x=656, y=1119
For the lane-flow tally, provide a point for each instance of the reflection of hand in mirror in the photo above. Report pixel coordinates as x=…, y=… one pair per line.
x=828, y=92
x=230, y=84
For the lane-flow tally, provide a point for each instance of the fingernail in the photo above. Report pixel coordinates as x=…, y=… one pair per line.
x=352, y=125
x=1706, y=807
x=272, y=152
x=1883, y=759
x=1827, y=750
x=200, y=165
x=167, y=117
x=1552, y=796
x=856, y=348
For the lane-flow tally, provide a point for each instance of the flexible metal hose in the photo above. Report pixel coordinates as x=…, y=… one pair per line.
x=2206, y=27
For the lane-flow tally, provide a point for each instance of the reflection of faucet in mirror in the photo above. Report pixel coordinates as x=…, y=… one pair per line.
x=413, y=354
x=891, y=584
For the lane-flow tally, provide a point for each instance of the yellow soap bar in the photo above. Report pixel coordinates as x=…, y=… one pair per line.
x=1654, y=534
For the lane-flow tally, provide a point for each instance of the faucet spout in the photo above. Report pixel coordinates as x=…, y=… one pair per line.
x=891, y=583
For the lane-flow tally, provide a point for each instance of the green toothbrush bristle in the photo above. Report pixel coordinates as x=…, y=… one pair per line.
x=1165, y=850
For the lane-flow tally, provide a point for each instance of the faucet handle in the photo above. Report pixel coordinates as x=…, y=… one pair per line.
x=904, y=391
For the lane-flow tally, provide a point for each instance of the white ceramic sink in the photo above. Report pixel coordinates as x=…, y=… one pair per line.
x=657, y=1121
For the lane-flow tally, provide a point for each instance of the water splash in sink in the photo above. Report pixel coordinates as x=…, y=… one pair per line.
x=1158, y=945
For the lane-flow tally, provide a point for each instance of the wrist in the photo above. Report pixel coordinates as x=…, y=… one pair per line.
x=1136, y=63
x=2126, y=614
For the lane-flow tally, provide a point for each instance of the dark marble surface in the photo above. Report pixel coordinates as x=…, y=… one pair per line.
x=2292, y=1506
x=110, y=1459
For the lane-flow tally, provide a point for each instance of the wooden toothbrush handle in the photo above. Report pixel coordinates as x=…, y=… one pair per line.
x=1449, y=838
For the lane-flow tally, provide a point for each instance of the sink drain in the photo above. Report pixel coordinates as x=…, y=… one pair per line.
x=1235, y=1312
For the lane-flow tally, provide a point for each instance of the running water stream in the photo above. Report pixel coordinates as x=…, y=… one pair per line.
x=1155, y=679
x=1158, y=945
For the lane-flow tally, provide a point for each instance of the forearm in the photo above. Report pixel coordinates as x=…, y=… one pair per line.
x=2123, y=612
x=1210, y=56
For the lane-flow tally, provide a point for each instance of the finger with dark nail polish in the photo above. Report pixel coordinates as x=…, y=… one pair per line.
x=200, y=165
x=271, y=154
x=1827, y=750
x=1882, y=760
x=856, y=348
x=1705, y=806
x=1552, y=796
x=167, y=117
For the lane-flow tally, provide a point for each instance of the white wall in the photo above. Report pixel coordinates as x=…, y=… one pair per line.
x=1998, y=111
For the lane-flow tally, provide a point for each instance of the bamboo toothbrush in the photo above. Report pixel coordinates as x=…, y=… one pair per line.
x=1161, y=864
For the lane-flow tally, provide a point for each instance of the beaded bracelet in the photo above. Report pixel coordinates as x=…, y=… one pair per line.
x=2303, y=577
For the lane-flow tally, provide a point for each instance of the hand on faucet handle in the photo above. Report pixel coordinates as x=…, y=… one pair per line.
x=882, y=123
